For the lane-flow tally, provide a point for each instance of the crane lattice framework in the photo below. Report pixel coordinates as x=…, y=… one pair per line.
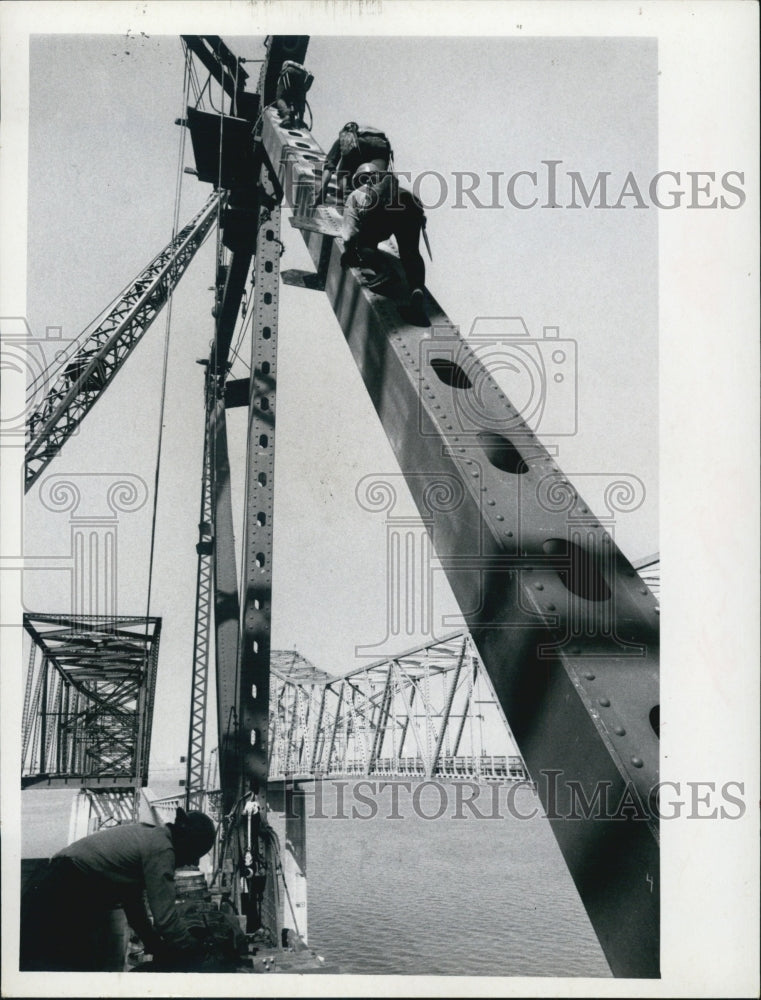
x=429, y=712
x=65, y=397
x=88, y=701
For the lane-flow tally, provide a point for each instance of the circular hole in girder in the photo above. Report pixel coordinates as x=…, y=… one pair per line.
x=450, y=373
x=502, y=453
x=655, y=720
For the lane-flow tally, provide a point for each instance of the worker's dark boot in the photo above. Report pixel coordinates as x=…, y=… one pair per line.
x=417, y=312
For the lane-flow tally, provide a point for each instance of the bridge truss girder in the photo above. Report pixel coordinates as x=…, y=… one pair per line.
x=430, y=712
x=88, y=703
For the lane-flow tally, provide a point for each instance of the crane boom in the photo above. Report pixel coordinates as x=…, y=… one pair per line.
x=83, y=378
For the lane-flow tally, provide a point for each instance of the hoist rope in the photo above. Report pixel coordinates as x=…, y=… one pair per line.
x=167, y=330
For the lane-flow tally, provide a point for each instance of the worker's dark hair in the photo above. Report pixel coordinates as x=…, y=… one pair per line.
x=194, y=832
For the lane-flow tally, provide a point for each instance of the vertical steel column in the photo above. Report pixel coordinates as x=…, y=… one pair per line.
x=26, y=718
x=199, y=687
x=333, y=731
x=260, y=467
x=44, y=718
x=465, y=708
x=318, y=738
x=226, y=608
x=448, y=708
x=380, y=730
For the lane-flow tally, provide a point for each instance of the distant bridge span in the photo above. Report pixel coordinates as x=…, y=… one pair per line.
x=428, y=712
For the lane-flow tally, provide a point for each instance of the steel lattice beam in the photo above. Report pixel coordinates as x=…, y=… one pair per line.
x=88, y=721
x=568, y=637
x=194, y=780
x=85, y=376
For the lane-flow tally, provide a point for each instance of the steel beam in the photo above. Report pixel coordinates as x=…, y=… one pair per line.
x=194, y=779
x=254, y=686
x=226, y=608
x=557, y=613
x=448, y=707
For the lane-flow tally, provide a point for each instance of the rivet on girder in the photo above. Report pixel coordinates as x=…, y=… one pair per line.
x=474, y=473
x=500, y=517
x=619, y=731
x=589, y=675
x=551, y=607
x=605, y=702
x=509, y=534
x=637, y=761
x=491, y=503
x=539, y=586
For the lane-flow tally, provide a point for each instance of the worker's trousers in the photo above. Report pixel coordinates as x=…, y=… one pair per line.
x=69, y=924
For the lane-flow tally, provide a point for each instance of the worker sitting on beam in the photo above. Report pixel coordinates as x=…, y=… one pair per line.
x=74, y=918
x=377, y=209
x=355, y=145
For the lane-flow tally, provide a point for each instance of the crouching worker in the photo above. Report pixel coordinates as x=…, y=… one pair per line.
x=377, y=209
x=291, y=93
x=355, y=145
x=74, y=918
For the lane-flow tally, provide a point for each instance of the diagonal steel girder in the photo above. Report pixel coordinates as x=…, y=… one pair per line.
x=566, y=630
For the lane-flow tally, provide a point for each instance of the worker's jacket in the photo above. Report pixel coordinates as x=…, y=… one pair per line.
x=127, y=860
x=374, y=211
